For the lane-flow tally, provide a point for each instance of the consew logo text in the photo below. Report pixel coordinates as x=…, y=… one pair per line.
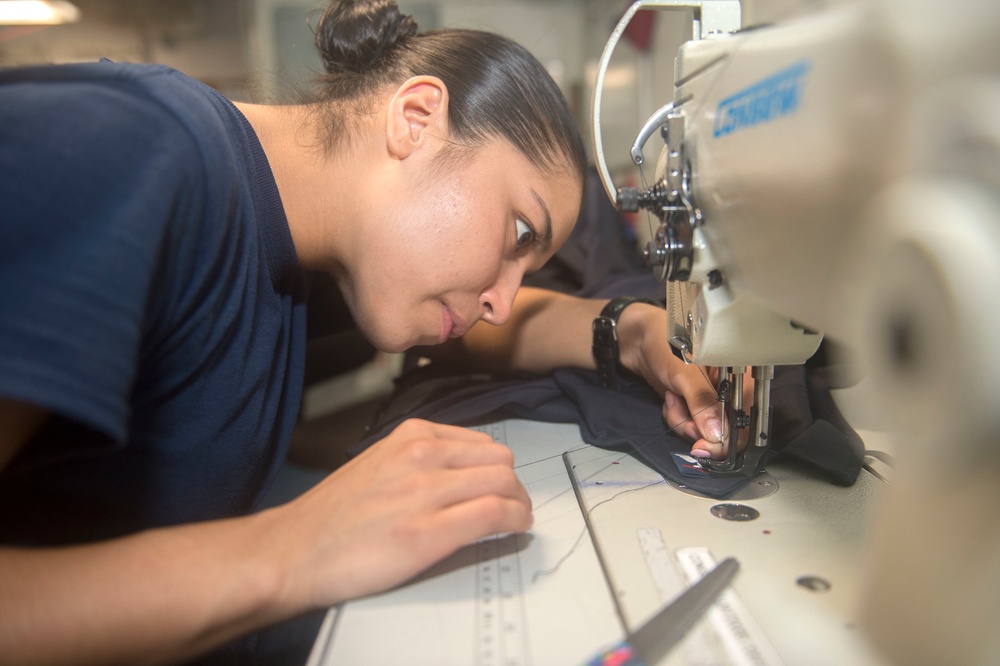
x=775, y=97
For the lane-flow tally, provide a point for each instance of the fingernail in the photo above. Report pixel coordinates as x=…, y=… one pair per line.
x=700, y=453
x=670, y=399
x=713, y=430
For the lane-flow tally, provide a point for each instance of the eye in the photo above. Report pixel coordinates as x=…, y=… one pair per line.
x=525, y=234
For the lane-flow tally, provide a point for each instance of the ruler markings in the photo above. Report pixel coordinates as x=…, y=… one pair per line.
x=501, y=633
x=742, y=638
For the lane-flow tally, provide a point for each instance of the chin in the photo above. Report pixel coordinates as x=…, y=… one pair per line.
x=392, y=347
x=394, y=341
x=397, y=346
x=383, y=343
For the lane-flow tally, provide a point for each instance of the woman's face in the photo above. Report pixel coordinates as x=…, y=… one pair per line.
x=448, y=246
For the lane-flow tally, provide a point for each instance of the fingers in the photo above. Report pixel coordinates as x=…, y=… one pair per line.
x=449, y=486
x=711, y=442
x=448, y=432
x=709, y=424
x=434, y=466
x=448, y=465
x=481, y=517
x=417, y=444
x=698, y=402
x=677, y=416
x=711, y=445
x=693, y=410
x=706, y=449
x=495, y=480
x=456, y=507
x=428, y=538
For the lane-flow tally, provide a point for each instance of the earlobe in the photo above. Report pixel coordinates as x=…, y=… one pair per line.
x=417, y=116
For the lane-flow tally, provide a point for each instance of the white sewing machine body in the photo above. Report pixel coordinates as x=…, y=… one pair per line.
x=824, y=156
x=838, y=173
x=781, y=140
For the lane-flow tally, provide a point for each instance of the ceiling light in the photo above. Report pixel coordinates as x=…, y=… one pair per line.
x=37, y=12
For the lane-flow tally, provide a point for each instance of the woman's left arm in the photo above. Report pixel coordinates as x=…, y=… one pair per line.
x=549, y=330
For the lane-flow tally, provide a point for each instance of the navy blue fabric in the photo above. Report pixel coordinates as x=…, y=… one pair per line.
x=150, y=297
x=808, y=428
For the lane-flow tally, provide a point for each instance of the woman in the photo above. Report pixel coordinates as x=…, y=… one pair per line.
x=152, y=334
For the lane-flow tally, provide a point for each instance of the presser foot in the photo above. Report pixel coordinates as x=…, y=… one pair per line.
x=735, y=419
x=744, y=465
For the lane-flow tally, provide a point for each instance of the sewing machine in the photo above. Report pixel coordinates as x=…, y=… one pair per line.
x=838, y=173
x=835, y=173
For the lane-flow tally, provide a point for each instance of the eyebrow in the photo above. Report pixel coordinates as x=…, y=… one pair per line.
x=545, y=234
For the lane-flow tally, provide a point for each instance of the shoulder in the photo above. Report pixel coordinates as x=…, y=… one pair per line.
x=110, y=110
x=103, y=81
x=104, y=133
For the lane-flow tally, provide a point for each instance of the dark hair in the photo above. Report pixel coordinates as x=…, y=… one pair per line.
x=496, y=88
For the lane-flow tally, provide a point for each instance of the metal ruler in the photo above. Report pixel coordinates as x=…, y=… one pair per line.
x=697, y=647
x=743, y=641
x=501, y=635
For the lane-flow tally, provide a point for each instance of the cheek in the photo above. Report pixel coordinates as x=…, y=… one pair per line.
x=463, y=267
x=464, y=248
x=448, y=236
x=429, y=227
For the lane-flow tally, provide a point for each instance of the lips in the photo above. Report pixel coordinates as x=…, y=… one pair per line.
x=452, y=325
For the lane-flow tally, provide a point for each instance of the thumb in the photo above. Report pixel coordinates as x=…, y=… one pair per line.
x=707, y=414
x=711, y=427
x=702, y=403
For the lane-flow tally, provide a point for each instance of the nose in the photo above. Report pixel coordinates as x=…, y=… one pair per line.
x=497, y=301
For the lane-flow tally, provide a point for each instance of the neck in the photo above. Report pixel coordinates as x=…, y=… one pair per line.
x=314, y=186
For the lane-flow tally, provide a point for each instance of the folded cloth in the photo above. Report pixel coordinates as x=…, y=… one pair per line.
x=807, y=425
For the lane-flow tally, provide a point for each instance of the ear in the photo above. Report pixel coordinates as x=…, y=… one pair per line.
x=417, y=115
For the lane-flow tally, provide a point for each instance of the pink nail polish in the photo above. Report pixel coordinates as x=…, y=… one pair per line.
x=700, y=453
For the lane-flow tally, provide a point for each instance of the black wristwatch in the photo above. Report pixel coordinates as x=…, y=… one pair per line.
x=606, y=339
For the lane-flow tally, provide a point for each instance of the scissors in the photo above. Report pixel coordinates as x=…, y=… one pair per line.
x=647, y=645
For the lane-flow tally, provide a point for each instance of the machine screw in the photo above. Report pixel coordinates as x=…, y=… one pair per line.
x=736, y=512
x=814, y=583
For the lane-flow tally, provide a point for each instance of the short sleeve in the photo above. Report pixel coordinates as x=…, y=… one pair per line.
x=90, y=178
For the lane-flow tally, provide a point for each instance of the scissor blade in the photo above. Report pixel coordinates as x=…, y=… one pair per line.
x=665, y=629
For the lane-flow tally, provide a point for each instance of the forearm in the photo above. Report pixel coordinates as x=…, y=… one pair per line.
x=546, y=330
x=410, y=500
x=158, y=596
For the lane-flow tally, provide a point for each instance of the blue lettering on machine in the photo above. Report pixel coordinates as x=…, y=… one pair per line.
x=775, y=97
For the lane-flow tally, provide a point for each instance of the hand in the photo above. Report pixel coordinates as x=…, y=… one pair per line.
x=706, y=427
x=408, y=501
x=690, y=405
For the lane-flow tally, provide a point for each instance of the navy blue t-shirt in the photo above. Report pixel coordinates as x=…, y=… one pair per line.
x=150, y=298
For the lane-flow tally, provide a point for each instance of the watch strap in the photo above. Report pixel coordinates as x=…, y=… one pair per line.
x=605, y=340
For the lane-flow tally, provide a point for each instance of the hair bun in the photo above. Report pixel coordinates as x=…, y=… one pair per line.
x=353, y=36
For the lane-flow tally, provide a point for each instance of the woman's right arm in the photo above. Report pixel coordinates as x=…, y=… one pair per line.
x=168, y=594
